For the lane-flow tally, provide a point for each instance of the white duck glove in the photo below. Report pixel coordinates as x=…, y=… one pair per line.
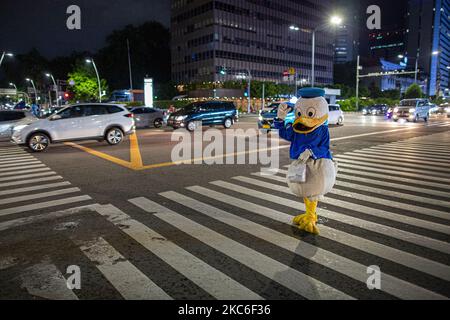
x=305, y=155
x=283, y=110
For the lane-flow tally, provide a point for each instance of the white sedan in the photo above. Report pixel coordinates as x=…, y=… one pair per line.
x=336, y=116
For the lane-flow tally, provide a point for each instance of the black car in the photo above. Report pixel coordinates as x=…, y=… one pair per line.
x=208, y=113
x=376, y=110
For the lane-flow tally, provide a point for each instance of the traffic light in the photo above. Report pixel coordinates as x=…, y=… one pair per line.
x=223, y=71
x=66, y=96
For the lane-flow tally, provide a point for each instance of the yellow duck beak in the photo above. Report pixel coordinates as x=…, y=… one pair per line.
x=307, y=125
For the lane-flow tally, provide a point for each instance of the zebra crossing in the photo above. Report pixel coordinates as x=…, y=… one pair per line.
x=234, y=239
x=26, y=180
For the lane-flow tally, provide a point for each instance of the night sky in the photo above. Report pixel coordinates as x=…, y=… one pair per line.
x=25, y=24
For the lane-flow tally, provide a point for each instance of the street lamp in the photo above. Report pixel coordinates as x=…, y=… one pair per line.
x=98, y=78
x=49, y=75
x=34, y=87
x=13, y=85
x=7, y=54
x=334, y=21
x=416, y=68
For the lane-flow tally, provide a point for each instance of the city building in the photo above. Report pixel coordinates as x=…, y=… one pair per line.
x=346, y=35
x=234, y=39
x=429, y=42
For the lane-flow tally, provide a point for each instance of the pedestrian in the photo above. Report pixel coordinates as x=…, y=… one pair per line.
x=35, y=110
x=312, y=173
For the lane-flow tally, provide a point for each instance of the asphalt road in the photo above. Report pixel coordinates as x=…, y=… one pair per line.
x=140, y=226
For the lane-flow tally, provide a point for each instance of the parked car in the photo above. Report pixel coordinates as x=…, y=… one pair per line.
x=92, y=121
x=336, y=116
x=11, y=119
x=208, y=113
x=376, y=110
x=412, y=110
x=443, y=110
x=148, y=117
x=266, y=118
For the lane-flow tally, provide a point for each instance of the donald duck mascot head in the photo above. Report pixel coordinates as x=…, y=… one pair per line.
x=310, y=144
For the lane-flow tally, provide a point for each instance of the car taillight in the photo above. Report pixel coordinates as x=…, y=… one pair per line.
x=130, y=115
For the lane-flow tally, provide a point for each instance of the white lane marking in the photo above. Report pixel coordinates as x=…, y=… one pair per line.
x=128, y=280
x=381, y=213
x=26, y=176
x=44, y=280
x=12, y=165
x=409, y=260
x=9, y=158
x=39, y=195
x=18, y=161
x=430, y=191
x=423, y=210
x=400, y=160
x=417, y=181
x=430, y=150
x=202, y=274
x=11, y=224
x=42, y=205
x=403, y=155
x=360, y=223
x=441, y=147
x=296, y=281
x=34, y=188
x=394, y=163
x=29, y=181
x=20, y=168
x=403, y=167
x=371, y=134
x=21, y=172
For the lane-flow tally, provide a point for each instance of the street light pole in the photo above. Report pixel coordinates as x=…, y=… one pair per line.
x=357, y=83
x=313, y=57
x=98, y=79
x=129, y=65
x=56, y=88
x=3, y=56
x=34, y=88
x=15, y=87
x=248, y=93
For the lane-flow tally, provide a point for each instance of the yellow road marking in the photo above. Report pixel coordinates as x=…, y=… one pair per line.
x=136, y=163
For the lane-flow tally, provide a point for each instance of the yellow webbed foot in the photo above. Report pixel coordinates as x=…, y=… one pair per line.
x=304, y=218
x=308, y=220
x=309, y=225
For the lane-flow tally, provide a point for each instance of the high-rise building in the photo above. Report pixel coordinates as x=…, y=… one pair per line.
x=219, y=40
x=346, y=35
x=429, y=41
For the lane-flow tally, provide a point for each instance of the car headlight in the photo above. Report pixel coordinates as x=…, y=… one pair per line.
x=261, y=118
x=412, y=110
x=396, y=110
x=20, y=128
x=180, y=118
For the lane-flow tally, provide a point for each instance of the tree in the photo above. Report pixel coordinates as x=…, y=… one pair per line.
x=150, y=55
x=374, y=90
x=85, y=86
x=414, y=91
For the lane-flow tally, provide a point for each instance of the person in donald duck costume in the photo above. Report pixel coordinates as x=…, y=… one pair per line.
x=310, y=145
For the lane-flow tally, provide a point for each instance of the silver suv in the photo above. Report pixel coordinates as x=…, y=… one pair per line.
x=412, y=110
x=90, y=121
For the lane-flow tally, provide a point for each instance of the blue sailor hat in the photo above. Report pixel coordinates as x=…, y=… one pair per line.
x=308, y=93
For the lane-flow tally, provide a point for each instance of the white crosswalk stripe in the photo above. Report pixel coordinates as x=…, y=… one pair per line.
x=419, y=263
x=288, y=277
x=125, y=277
x=382, y=195
x=323, y=257
x=377, y=212
x=205, y=276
